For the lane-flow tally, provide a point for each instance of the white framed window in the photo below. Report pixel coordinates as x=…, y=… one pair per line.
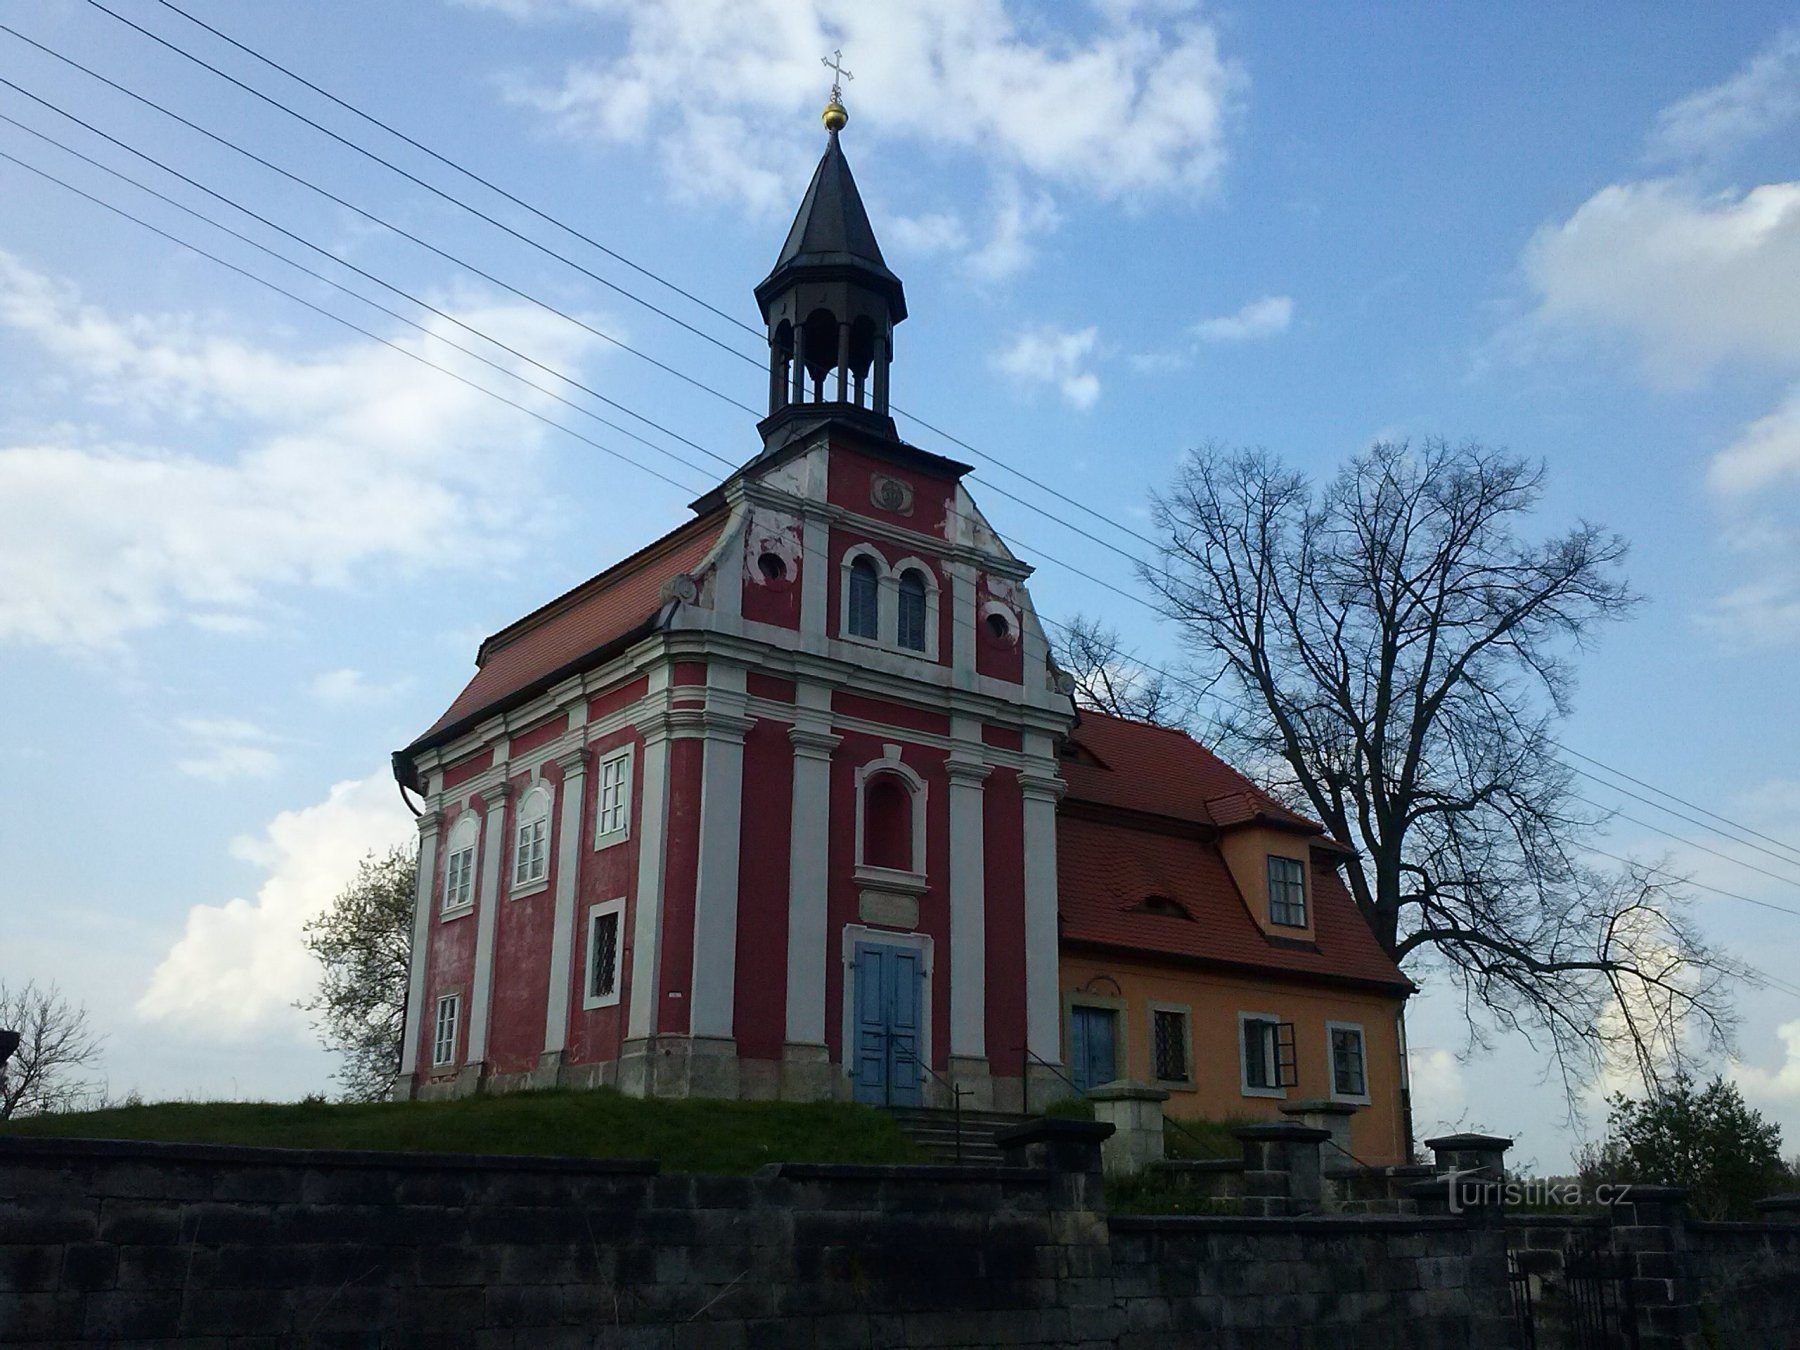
x=612, y=805
x=1349, y=1064
x=863, y=604
x=911, y=610
x=531, y=839
x=459, y=866
x=1170, y=1044
x=1269, y=1058
x=890, y=823
x=605, y=935
x=1287, y=891
x=443, y=1038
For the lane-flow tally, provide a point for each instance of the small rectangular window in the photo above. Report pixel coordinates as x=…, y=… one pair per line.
x=1287, y=892
x=601, y=988
x=1169, y=1044
x=1349, y=1074
x=459, y=878
x=531, y=861
x=443, y=1041
x=863, y=605
x=612, y=811
x=1271, y=1059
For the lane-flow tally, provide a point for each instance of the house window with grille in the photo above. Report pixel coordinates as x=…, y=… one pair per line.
x=1169, y=1044
x=459, y=867
x=1270, y=1058
x=602, y=984
x=1349, y=1070
x=1287, y=892
x=612, y=812
x=864, y=619
x=912, y=610
x=443, y=1039
x=531, y=838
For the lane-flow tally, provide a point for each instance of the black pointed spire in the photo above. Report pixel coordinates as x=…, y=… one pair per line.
x=831, y=301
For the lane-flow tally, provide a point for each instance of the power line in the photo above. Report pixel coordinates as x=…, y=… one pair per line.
x=1688, y=881
x=1692, y=820
x=1669, y=834
x=338, y=318
x=1693, y=806
x=357, y=295
x=174, y=47
x=370, y=216
x=350, y=266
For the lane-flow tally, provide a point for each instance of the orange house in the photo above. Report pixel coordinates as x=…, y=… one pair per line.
x=1209, y=945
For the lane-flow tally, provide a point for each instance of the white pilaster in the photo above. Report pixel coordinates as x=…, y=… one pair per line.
x=569, y=853
x=968, y=910
x=1042, y=789
x=815, y=574
x=487, y=917
x=429, y=825
x=651, y=830
x=962, y=615
x=808, y=854
x=716, y=883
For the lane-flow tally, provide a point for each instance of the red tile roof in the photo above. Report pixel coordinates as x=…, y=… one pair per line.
x=578, y=623
x=1170, y=774
x=1107, y=866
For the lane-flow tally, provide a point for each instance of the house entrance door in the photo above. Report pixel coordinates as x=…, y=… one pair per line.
x=1093, y=1046
x=888, y=984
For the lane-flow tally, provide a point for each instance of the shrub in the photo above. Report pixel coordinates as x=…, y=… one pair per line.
x=1705, y=1139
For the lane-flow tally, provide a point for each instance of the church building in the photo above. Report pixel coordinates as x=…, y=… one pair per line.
x=775, y=807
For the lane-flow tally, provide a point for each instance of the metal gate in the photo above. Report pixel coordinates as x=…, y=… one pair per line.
x=1591, y=1307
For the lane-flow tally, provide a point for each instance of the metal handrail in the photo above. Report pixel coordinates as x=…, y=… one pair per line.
x=1025, y=1076
x=956, y=1090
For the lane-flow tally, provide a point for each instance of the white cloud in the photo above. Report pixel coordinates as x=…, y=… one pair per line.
x=1780, y=1085
x=1133, y=102
x=1018, y=219
x=1047, y=355
x=224, y=749
x=1766, y=450
x=343, y=459
x=342, y=688
x=1757, y=100
x=1438, y=1092
x=1693, y=280
x=239, y=966
x=1262, y=318
x=934, y=232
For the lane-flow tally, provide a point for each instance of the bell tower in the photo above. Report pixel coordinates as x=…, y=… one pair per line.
x=830, y=303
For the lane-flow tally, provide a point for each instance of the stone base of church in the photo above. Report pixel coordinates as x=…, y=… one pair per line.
x=679, y=1066
x=970, y=1073
x=807, y=1073
x=1044, y=1084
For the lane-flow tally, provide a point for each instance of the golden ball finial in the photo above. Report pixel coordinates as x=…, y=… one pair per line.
x=834, y=116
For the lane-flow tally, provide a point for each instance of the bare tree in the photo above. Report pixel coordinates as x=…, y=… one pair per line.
x=1109, y=678
x=364, y=943
x=55, y=1045
x=1402, y=652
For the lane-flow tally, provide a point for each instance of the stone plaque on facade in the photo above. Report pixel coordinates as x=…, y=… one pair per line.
x=890, y=494
x=889, y=909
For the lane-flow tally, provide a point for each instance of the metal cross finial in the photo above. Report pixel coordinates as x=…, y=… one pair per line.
x=835, y=64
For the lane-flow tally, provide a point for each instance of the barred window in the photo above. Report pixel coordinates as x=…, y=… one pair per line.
x=1349, y=1075
x=443, y=1040
x=1169, y=1044
x=1287, y=892
x=602, y=985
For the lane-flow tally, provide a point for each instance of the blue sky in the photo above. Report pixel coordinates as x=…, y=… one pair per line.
x=244, y=551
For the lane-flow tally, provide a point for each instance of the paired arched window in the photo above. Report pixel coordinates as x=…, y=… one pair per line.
x=911, y=626
x=864, y=617
x=531, y=838
x=459, y=864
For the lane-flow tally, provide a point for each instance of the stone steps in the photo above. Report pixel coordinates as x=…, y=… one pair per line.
x=934, y=1130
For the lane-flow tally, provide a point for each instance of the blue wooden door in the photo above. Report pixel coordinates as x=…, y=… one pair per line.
x=888, y=987
x=1093, y=1046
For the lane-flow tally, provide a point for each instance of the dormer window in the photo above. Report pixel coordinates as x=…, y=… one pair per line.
x=912, y=610
x=864, y=619
x=1287, y=892
x=1165, y=905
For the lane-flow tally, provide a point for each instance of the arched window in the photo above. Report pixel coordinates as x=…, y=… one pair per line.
x=865, y=600
x=887, y=824
x=912, y=610
x=459, y=864
x=531, y=838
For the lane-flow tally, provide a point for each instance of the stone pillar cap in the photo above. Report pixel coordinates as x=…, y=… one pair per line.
x=1320, y=1106
x=1787, y=1202
x=1125, y=1090
x=1468, y=1141
x=1051, y=1129
x=1281, y=1131
x=1649, y=1193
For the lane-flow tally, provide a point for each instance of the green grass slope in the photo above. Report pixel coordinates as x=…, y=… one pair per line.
x=684, y=1136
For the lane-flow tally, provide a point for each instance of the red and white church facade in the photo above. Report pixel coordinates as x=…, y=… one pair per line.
x=769, y=808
